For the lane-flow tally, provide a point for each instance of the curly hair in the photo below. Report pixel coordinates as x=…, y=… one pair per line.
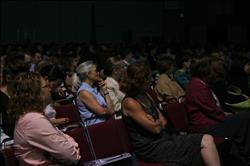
x=25, y=92
x=138, y=76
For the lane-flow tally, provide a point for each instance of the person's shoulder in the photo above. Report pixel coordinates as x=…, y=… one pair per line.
x=31, y=119
x=129, y=103
x=33, y=116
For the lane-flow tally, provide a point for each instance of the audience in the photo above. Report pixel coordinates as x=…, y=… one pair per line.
x=36, y=140
x=98, y=100
x=115, y=73
x=182, y=74
x=166, y=87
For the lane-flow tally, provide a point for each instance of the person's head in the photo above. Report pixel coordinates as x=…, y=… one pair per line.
x=183, y=61
x=54, y=74
x=37, y=57
x=113, y=67
x=139, y=78
x=207, y=68
x=86, y=71
x=165, y=64
x=29, y=92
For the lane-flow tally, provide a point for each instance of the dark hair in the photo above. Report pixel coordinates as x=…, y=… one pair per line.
x=164, y=63
x=110, y=64
x=207, y=68
x=52, y=71
x=138, y=73
x=200, y=67
x=181, y=59
x=25, y=92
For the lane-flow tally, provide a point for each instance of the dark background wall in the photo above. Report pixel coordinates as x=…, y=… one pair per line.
x=190, y=21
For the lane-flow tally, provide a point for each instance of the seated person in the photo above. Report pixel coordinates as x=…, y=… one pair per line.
x=182, y=74
x=239, y=74
x=13, y=64
x=92, y=99
x=7, y=126
x=166, y=87
x=55, y=75
x=115, y=74
x=147, y=127
x=204, y=110
x=36, y=140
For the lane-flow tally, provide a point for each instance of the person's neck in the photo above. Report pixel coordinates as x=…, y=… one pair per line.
x=182, y=70
x=89, y=82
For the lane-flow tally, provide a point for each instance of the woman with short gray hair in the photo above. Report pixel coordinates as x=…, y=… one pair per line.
x=92, y=97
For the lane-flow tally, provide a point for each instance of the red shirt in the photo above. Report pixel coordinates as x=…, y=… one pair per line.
x=202, y=108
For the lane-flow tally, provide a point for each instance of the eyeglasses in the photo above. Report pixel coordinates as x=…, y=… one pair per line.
x=46, y=86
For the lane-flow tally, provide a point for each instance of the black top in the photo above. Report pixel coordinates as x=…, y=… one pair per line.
x=163, y=147
x=8, y=124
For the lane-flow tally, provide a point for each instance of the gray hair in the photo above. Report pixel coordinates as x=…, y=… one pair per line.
x=81, y=74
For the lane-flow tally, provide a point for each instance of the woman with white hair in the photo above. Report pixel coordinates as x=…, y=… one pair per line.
x=92, y=97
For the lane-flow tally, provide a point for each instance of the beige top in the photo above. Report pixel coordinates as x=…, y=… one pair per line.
x=114, y=92
x=168, y=88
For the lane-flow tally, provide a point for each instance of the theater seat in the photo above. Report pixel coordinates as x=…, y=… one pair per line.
x=68, y=111
x=143, y=163
x=109, y=142
x=80, y=138
x=8, y=156
x=176, y=115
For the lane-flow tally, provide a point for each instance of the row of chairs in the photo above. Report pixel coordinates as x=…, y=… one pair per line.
x=108, y=142
x=105, y=143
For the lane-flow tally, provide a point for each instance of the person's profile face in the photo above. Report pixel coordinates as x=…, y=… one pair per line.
x=94, y=74
x=46, y=90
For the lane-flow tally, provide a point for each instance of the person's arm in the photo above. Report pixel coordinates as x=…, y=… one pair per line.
x=59, y=121
x=134, y=110
x=105, y=94
x=41, y=134
x=90, y=101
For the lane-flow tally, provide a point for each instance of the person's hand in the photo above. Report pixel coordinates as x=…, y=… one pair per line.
x=152, y=119
x=60, y=121
x=103, y=86
x=60, y=91
x=149, y=117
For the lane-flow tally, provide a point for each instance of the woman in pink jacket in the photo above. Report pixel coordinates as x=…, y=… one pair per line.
x=36, y=140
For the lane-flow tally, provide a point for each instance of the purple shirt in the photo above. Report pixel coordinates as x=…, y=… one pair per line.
x=201, y=105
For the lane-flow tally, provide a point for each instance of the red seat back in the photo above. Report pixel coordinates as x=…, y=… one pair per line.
x=177, y=115
x=80, y=138
x=8, y=156
x=109, y=138
x=68, y=111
